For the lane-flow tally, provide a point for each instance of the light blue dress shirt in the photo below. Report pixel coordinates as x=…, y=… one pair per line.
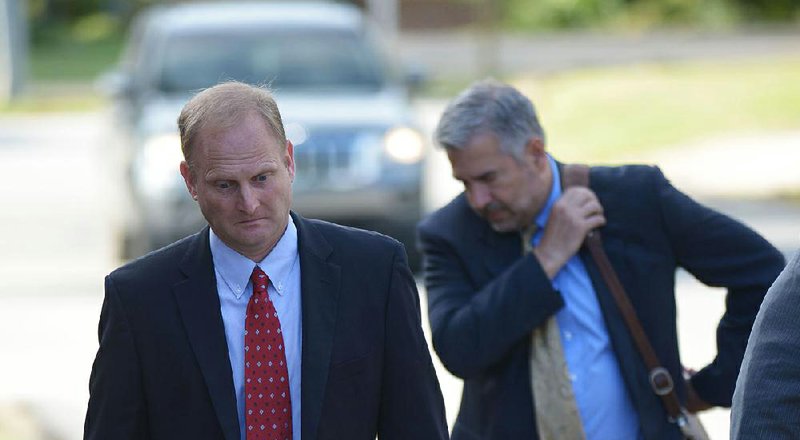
x=603, y=402
x=234, y=288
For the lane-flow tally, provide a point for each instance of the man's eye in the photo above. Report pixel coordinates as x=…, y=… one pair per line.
x=223, y=185
x=261, y=178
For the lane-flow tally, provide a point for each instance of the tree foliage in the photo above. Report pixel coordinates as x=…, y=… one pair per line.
x=50, y=18
x=81, y=19
x=574, y=14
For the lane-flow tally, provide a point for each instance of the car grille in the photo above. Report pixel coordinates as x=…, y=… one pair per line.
x=337, y=159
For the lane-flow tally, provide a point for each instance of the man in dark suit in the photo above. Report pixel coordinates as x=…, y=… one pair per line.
x=265, y=325
x=766, y=403
x=504, y=271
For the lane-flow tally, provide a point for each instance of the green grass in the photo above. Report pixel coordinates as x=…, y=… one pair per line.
x=69, y=59
x=600, y=114
x=61, y=72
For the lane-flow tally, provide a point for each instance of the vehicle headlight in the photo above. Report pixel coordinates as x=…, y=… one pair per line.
x=158, y=168
x=296, y=133
x=404, y=145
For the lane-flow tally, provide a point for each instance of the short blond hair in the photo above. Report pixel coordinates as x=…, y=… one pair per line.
x=223, y=106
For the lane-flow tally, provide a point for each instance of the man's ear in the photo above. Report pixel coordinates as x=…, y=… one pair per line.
x=290, y=158
x=534, y=151
x=188, y=179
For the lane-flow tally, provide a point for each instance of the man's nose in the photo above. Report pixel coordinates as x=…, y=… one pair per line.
x=248, y=199
x=479, y=196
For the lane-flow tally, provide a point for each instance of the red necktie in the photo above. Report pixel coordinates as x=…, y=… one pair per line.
x=268, y=405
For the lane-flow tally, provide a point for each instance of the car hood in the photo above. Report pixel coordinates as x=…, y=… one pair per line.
x=375, y=109
x=383, y=109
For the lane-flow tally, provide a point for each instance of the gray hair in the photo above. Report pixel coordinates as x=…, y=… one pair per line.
x=493, y=107
x=223, y=106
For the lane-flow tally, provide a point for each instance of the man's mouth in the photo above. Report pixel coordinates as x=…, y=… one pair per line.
x=493, y=212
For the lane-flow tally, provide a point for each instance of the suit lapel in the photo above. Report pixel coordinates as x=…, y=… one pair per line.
x=499, y=250
x=320, y=284
x=199, y=307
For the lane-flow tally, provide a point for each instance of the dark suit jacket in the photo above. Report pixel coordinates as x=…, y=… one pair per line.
x=162, y=370
x=766, y=404
x=485, y=299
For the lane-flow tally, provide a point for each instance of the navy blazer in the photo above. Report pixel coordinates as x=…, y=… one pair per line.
x=766, y=404
x=485, y=298
x=162, y=370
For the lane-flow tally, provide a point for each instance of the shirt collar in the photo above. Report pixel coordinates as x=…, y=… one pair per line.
x=235, y=269
x=555, y=193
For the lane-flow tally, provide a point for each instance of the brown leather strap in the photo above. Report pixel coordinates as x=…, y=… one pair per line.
x=574, y=175
x=660, y=380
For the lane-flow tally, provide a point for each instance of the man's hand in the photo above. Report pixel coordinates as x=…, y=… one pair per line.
x=694, y=403
x=572, y=217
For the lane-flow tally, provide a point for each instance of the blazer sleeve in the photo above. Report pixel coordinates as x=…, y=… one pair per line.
x=411, y=405
x=475, y=327
x=116, y=402
x=766, y=403
x=720, y=252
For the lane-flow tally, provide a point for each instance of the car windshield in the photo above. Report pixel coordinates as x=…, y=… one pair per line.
x=287, y=61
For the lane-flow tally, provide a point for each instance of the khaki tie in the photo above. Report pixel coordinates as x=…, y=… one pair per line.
x=554, y=404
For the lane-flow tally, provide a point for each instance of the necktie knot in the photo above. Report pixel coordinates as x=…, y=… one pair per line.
x=527, y=238
x=260, y=280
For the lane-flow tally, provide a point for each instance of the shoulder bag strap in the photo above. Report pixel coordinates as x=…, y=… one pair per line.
x=660, y=379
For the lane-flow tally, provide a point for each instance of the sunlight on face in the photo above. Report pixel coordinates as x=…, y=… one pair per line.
x=242, y=179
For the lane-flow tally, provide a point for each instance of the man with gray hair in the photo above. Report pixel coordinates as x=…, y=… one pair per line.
x=519, y=310
x=264, y=325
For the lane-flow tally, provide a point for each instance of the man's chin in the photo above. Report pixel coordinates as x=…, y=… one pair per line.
x=500, y=220
x=503, y=226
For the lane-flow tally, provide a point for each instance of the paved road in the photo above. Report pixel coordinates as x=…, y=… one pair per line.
x=55, y=247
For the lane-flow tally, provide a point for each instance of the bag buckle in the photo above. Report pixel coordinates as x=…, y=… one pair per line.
x=661, y=381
